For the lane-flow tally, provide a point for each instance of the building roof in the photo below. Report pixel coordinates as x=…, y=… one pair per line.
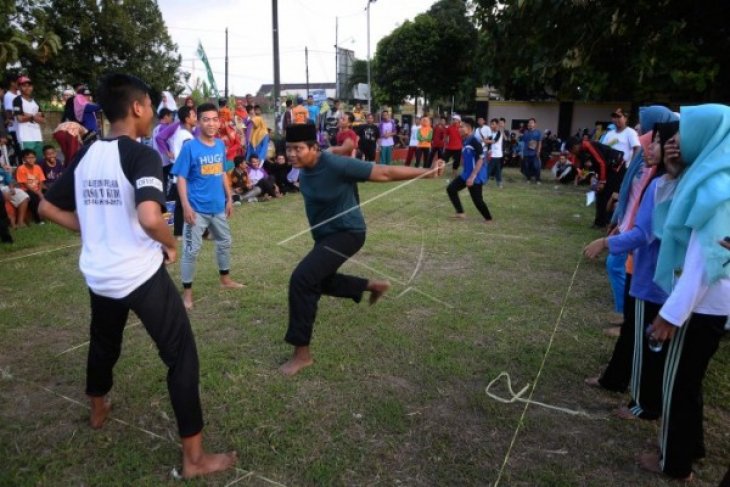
x=268, y=88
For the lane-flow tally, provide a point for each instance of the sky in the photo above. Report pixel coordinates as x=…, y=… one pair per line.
x=309, y=23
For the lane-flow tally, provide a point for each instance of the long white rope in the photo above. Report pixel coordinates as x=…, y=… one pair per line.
x=528, y=401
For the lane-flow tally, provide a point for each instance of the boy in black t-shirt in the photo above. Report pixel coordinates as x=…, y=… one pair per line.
x=369, y=135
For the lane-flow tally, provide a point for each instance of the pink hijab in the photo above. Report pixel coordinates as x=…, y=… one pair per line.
x=80, y=102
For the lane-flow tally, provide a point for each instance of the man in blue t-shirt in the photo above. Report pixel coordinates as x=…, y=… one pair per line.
x=328, y=183
x=532, y=144
x=474, y=174
x=206, y=200
x=313, y=110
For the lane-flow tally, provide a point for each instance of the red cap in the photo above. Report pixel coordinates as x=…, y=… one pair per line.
x=23, y=80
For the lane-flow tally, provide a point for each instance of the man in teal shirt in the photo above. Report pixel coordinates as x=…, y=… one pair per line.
x=328, y=183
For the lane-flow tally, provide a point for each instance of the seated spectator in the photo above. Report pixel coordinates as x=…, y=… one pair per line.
x=31, y=179
x=563, y=170
x=241, y=187
x=293, y=178
x=18, y=198
x=52, y=169
x=586, y=175
x=258, y=177
x=5, y=236
x=279, y=170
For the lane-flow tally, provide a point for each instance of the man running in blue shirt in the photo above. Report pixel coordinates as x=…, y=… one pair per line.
x=473, y=175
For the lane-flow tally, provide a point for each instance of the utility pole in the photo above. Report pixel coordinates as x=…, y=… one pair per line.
x=370, y=96
x=226, y=87
x=306, y=64
x=337, y=75
x=277, y=81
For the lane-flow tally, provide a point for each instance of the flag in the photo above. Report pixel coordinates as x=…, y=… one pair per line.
x=211, y=78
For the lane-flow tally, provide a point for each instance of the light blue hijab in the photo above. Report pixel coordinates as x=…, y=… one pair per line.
x=701, y=202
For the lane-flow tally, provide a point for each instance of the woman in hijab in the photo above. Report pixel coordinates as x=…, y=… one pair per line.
x=620, y=266
x=693, y=269
x=647, y=362
x=259, y=140
x=85, y=110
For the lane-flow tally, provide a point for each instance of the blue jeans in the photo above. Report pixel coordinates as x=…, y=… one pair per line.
x=533, y=166
x=616, y=269
x=495, y=169
x=193, y=241
x=386, y=154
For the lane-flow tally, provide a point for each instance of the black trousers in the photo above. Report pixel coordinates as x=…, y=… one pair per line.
x=436, y=152
x=33, y=202
x=5, y=236
x=316, y=275
x=453, y=154
x=475, y=191
x=617, y=375
x=160, y=309
x=647, y=365
x=368, y=151
x=267, y=187
x=178, y=218
x=689, y=353
x=422, y=155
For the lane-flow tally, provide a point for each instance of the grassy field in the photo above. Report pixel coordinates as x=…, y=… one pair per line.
x=397, y=393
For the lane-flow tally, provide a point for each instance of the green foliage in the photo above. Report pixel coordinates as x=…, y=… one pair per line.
x=427, y=57
x=96, y=37
x=35, y=40
x=583, y=50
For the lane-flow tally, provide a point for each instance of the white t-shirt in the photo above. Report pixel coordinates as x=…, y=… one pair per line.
x=27, y=131
x=104, y=188
x=692, y=294
x=625, y=141
x=496, y=148
x=414, y=136
x=8, y=107
x=180, y=136
x=483, y=133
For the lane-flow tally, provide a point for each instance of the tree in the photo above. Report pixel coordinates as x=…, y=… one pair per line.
x=98, y=36
x=636, y=49
x=35, y=40
x=429, y=57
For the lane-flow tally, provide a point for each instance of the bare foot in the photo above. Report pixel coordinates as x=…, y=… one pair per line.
x=301, y=359
x=612, y=332
x=228, y=283
x=592, y=381
x=209, y=463
x=616, y=319
x=488, y=222
x=650, y=462
x=197, y=462
x=188, y=299
x=625, y=413
x=377, y=289
x=101, y=406
x=459, y=216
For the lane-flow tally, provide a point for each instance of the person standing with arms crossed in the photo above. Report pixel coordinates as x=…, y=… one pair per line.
x=113, y=194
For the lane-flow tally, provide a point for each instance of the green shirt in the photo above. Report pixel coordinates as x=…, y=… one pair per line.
x=329, y=194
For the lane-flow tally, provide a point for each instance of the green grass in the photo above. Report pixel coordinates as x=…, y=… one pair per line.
x=396, y=395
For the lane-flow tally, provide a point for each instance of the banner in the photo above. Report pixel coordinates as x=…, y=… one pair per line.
x=211, y=78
